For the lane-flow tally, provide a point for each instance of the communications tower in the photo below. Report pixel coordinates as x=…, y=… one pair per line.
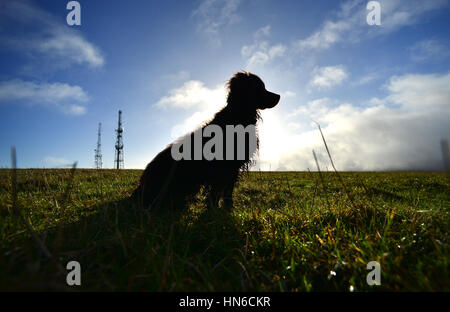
x=118, y=159
x=98, y=150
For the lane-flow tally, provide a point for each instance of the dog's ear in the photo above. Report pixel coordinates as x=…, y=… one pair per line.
x=237, y=88
x=238, y=82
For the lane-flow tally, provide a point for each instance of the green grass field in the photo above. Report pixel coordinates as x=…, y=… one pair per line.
x=288, y=231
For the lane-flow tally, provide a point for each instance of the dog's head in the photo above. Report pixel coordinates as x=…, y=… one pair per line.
x=247, y=89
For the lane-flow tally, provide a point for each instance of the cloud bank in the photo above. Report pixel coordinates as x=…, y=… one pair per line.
x=63, y=96
x=399, y=132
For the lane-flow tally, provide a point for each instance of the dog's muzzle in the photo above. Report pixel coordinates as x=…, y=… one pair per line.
x=271, y=99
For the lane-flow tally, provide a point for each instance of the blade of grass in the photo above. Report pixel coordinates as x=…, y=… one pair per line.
x=19, y=214
x=322, y=180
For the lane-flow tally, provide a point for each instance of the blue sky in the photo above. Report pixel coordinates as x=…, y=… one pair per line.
x=381, y=93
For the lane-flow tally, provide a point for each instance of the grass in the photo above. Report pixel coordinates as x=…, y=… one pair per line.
x=288, y=231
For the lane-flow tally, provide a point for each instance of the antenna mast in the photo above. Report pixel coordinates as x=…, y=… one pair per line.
x=118, y=159
x=98, y=150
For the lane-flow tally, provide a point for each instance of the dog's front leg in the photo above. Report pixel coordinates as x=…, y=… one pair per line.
x=228, y=197
x=228, y=193
x=213, y=198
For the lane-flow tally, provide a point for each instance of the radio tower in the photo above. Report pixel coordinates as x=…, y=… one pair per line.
x=98, y=150
x=118, y=159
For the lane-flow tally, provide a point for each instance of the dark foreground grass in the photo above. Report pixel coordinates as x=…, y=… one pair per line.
x=288, y=231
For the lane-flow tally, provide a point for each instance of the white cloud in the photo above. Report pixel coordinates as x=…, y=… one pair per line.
x=56, y=161
x=214, y=15
x=69, y=46
x=177, y=77
x=366, y=79
x=328, y=35
x=420, y=92
x=398, y=13
x=262, y=32
x=200, y=101
x=193, y=94
x=60, y=95
x=350, y=22
x=328, y=76
x=46, y=36
x=288, y=94
x=428, y=49
x=261, y=51
x=74, y=110
x=314, y=108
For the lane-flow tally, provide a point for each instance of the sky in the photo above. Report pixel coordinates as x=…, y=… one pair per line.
x=381, y=93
